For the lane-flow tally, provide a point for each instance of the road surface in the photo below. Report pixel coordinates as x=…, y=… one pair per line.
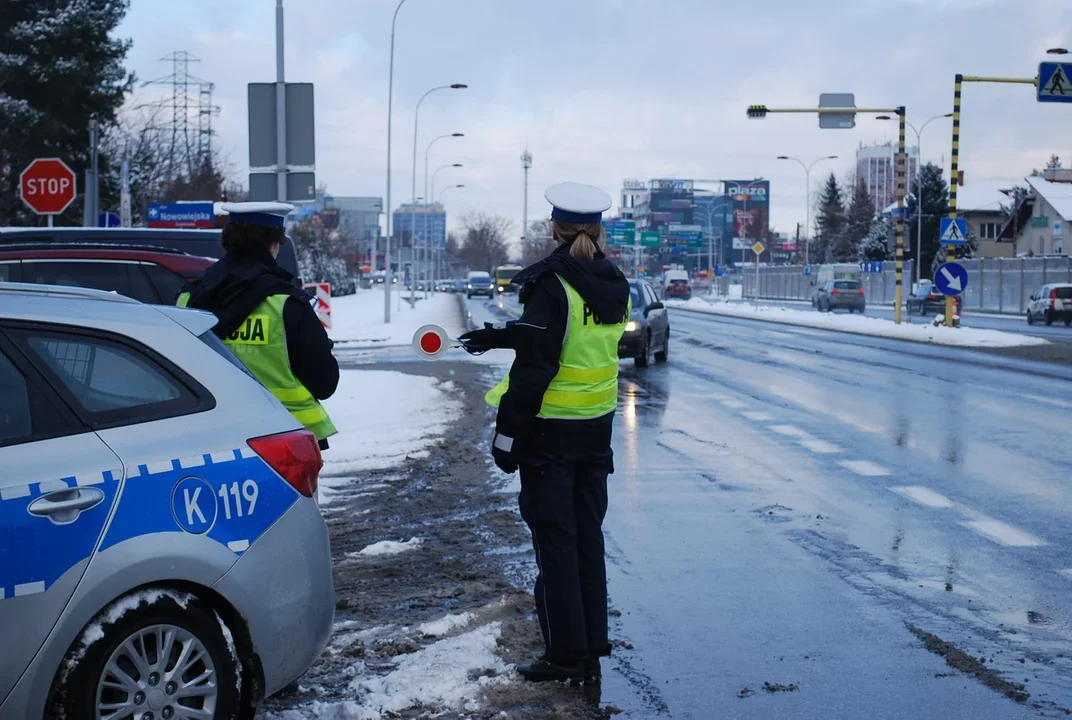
x=836, y=517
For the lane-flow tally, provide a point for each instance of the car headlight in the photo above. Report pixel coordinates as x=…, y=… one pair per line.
x=469, y=287
x=500, y=288
x=631, y=326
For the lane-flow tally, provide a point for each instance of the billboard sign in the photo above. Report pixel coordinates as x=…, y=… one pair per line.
x=634, y=185
x=751, y=211
x=181, y=215
x=620, y=232
x=671, y=184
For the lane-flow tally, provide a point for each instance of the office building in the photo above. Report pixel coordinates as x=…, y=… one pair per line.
x=424, y=222
x=876, y=165
x=359, y=226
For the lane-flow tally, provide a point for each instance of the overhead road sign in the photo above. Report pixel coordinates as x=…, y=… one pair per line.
x=650, y=239
x=951, y=279
x=1053, y=82
x=954, y=231
x=837, y=120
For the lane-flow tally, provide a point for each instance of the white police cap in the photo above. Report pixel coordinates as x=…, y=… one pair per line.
x=270, y=214
x=577, y=203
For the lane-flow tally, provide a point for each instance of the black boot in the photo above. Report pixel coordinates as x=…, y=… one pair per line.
x=593, y=673
x=544, y=670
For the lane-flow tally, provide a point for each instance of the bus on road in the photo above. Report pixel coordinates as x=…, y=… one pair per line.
x=504, y=276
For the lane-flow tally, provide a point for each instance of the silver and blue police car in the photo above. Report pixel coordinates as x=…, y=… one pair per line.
x=162, y=555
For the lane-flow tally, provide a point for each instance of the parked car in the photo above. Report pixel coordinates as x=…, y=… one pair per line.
x=840, y=295
x=479, y=283
x=204, y=243
x=148, y=274
x=648, y=329
x=150, y=491
x=926, y=299
x=1051, y=302
x=676, y=285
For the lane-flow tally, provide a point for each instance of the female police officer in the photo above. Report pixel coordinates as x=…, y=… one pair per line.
x=265, y=318
x=556, y=410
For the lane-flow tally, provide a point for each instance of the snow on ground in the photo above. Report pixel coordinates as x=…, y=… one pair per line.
x=383, y=417
x=447, y=675
x=357, y=320
x=861, y=324
x=445, y=624
x=388, y=547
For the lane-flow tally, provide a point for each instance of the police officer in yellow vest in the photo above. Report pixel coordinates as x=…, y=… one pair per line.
x=265, y=318
x=556, y=412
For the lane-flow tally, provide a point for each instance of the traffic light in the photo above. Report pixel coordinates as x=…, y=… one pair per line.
x=757, y=112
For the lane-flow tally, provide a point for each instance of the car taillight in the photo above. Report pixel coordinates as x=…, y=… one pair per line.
x=1053, y=298
x=294, y=455
x=860, y=291
x=835, y=291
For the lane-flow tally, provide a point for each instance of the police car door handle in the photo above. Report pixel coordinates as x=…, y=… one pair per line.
x=64, y=506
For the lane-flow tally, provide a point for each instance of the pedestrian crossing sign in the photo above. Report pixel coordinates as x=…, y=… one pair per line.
x=954, y=231
x=1053, y=82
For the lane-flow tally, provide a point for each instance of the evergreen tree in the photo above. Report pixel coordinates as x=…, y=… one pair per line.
x=60, y=67
x=1054, y=163
x=846, y=245
x=932, y=188
x=829, y=218
x=876, y=246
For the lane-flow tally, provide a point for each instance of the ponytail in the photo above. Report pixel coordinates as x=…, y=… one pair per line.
x=585, y=239
x=582, y=247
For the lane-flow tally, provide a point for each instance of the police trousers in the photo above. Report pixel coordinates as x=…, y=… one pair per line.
x=564, y=504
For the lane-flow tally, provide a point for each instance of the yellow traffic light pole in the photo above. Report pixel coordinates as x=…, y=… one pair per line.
x=955, y=162
x=760, y=111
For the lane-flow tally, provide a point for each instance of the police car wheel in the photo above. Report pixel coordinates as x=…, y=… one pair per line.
x=156, y=661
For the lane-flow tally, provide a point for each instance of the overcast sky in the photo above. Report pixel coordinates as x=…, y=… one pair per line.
x=603, y=90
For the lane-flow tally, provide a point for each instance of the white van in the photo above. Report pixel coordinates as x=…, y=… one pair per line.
x=676, y=285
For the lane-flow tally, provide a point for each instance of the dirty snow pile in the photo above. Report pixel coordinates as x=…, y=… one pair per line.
x=449, y=674
x=357, y=320
x=383, y=417
x=861, y=324
x=388, y=547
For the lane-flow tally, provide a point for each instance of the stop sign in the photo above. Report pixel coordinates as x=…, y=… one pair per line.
x=47, y=186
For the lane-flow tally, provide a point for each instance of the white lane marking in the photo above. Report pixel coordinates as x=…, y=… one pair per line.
x=1003, y=534
x=864, y=467
x=821, y=447
x=923, y=496
x=30, y=588
x=1048, y=401
x=719, y=396
x=238, y=545
x=758, y=416
x=775, y=333
x=16, y=491
x=790, y=430
x=734, y=404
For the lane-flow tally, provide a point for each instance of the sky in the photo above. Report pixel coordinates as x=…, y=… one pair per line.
x=604, y=90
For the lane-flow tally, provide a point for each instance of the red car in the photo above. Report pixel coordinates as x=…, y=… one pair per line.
x=150, y=274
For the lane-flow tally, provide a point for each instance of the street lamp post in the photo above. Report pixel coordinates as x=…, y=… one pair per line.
x=387, y=220
x=919, y=184
x=442, y=167
x=807, y=200
x=448, y=187
x=416, y=118
x=428, y=150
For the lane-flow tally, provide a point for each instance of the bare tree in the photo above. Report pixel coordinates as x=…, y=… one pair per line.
x=539, y=242
x=484, y=240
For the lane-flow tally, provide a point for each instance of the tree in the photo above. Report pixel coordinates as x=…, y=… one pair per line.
x=846, y=244
x=539, y=243
x=1054, y=163
x=484, y=240
x=319, y=253
x=60, y=67
x=829, y=219
x=876, y=246
x=932, y=188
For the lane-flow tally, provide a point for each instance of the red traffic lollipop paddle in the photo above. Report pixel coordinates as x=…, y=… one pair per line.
x=431, y=342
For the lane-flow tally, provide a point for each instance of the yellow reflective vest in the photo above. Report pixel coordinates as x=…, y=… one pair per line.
x=260, y=342
x=586, y=385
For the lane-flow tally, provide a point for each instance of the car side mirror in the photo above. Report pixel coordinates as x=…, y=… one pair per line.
x=654, y=306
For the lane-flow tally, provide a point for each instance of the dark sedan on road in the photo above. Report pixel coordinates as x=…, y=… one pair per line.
x=926, y=299
x=648, y=329
x=840, y=295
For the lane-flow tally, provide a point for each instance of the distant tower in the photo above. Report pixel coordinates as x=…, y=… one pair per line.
x=187, y=147
x=526, y=163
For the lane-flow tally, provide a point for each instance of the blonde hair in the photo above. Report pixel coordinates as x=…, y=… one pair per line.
x=584, y=239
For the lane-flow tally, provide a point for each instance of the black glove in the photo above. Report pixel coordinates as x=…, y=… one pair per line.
x=503, y=451
x=482, y=340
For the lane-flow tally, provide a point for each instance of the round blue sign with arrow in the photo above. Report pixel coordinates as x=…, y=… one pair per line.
x=951, y=279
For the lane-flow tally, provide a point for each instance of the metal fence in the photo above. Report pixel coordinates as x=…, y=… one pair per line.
x=999, y=285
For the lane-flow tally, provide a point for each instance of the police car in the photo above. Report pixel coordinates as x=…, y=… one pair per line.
x=162, y=554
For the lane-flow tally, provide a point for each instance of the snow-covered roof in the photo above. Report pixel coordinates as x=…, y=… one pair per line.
x=1059, y=195
x=983, y=195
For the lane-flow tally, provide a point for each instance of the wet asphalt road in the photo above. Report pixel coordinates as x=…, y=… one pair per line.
x=787, y=502
x=1009, y=323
